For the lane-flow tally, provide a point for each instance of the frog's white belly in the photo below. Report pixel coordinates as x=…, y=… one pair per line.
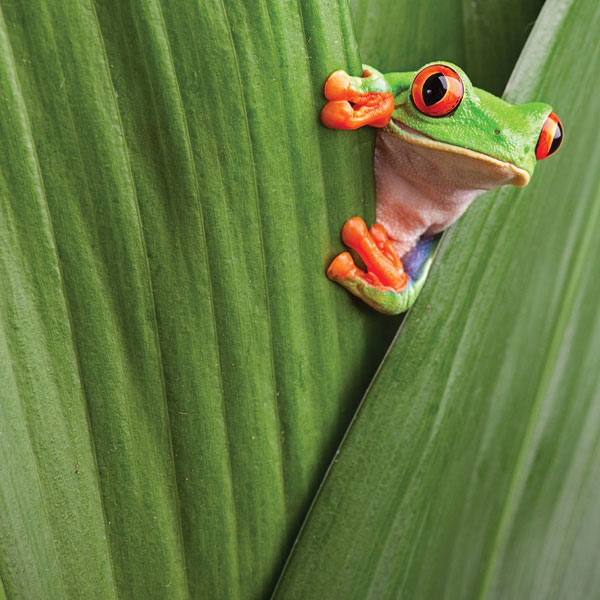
x=422, y=188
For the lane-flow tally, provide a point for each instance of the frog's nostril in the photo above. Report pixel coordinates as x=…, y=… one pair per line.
x=551, y=137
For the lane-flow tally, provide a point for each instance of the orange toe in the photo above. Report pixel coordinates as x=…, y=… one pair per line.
x=337, y=86
x=354, y=232
x=383, y=263
x=338, y=114
x=342, y=267
x=379, y=234
x=381, y=238
x=374, y=108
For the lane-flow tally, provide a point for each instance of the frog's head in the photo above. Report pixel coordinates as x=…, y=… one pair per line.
x=438, y=108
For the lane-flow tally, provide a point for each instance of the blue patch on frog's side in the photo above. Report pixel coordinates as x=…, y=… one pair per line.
x=414, y=259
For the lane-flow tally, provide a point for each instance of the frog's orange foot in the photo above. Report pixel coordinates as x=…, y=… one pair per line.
x=375, y=110
x=350, y=109
x=384, y=268
x=339, y=87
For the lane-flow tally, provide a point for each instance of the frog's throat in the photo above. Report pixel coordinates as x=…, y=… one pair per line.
x=521, y=176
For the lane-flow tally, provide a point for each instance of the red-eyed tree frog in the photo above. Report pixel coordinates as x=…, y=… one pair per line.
x=441, y=142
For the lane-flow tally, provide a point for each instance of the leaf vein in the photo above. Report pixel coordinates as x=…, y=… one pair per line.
x=34, y=155
x=150, y=286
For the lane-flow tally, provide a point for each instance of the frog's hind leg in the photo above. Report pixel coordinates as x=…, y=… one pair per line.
x=353, y=103
x=383, y=285
x=386, y=267
x=391, y=285
x=367, y=286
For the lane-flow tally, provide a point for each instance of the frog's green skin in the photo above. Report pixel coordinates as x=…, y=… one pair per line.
x=429, y=169
x=482, y=122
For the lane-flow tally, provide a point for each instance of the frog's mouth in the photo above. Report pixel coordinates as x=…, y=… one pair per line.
x=499, y=171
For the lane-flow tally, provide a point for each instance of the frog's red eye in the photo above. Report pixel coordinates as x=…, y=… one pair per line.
x=437, y=90
x=551, y=137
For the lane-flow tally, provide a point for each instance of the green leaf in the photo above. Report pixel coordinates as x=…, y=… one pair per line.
x=471, y=470
x=485, y=38
x=176, y=370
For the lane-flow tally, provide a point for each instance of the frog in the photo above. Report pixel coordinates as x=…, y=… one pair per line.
x=440, y=143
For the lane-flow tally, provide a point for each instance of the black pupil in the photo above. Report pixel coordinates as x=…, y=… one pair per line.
x=556, y=142
x=434, y=88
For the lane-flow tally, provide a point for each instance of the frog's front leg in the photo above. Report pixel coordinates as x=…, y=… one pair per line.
x=385, y=284
x=357, y=101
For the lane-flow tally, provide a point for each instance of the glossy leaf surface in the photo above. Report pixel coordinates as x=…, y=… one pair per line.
x=471, y=470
